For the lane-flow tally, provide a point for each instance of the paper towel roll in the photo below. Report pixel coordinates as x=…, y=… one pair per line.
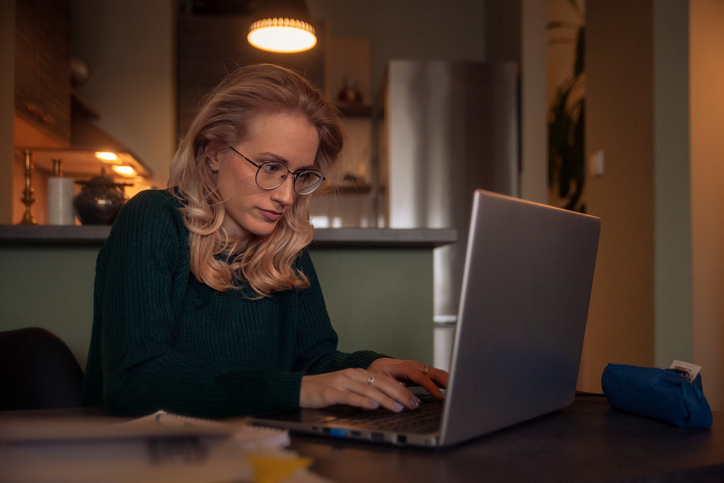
x=60, y=201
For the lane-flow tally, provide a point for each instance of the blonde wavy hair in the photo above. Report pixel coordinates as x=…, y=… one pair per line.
x=265, y=263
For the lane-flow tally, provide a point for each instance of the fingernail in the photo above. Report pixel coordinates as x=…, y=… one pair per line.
x=403, y=384
x=415, y=401
x=374, y=404
x=399, y=406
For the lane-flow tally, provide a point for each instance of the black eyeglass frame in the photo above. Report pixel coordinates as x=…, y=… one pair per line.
x=295, y=174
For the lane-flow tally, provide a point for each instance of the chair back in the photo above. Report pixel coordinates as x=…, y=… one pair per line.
x=38, y=371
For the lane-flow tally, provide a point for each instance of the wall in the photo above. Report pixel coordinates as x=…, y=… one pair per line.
x=707, y=196
x=7, y=107
x=673, y=310
x=130, y=49
x=619, y=120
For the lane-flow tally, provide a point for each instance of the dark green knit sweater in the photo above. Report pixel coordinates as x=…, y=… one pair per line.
x=163, y=340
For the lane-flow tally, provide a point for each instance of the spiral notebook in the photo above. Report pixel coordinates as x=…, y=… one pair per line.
x=517, y=348
x=242, y=432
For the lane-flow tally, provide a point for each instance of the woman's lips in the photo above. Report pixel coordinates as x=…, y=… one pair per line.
x=271, y=215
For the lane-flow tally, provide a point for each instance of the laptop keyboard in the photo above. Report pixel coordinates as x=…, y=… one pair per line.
x=429, y=412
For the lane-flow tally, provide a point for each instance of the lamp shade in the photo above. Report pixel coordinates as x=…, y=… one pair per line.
x=282, y=26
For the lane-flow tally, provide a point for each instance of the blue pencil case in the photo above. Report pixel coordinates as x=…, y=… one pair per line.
x=661, y=394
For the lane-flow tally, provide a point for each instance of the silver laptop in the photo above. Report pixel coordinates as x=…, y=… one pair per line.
x=518, y=341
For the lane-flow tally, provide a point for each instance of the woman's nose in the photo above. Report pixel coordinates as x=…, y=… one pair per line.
x=284, y=193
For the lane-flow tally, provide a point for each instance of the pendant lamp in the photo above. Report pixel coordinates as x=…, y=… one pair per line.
x=283, y=27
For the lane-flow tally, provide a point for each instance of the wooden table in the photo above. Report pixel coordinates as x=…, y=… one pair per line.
x=586, y=442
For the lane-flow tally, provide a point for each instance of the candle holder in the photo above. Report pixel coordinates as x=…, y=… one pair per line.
x=28, y=193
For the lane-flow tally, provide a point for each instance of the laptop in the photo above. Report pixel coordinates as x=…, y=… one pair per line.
x=518, y=339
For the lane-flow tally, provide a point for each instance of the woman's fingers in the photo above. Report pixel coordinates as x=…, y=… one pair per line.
x=377, y=386
x=428, y=377
x=395, y=396
x=337, y=396
x=389, y=393
x=355, y=387
x=432, y=381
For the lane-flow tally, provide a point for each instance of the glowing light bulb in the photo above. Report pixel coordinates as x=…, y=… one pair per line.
x=282, y=35
x=107, y=156
x=124, y=170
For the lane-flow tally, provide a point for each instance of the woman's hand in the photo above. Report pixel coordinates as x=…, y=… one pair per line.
x=356, y=387
x=413, y=372
x=379, y=385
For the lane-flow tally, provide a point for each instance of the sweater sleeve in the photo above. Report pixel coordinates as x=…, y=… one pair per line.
x=316, y=342
x=137, y=280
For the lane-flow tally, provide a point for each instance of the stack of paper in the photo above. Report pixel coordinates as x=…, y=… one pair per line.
x=161, y=447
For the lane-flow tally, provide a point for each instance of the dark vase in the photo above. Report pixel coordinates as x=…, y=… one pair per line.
x=100, y=200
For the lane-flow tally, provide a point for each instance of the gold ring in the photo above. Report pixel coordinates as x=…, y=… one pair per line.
x=424, y=369
x=370, y=379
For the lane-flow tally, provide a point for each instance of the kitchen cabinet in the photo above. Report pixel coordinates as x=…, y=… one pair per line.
x=42, y=73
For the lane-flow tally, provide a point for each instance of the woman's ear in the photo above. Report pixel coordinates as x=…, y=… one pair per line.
x=213, y=163
x=211, y=158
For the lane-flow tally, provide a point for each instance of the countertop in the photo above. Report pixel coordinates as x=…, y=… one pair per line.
x=95, y=235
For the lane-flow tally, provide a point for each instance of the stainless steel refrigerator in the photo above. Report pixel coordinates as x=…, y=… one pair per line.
x=445, y=129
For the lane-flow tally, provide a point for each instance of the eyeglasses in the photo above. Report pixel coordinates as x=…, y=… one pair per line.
x=272, y=174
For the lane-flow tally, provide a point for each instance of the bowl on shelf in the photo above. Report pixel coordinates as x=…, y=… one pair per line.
x=100, y=200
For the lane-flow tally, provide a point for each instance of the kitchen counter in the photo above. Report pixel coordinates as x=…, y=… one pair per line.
x=377, y=283
x=95, y=235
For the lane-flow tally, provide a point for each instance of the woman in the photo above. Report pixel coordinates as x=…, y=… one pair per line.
x=206, y=301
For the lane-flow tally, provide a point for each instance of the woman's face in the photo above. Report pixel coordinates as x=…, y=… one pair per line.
x=287, y=138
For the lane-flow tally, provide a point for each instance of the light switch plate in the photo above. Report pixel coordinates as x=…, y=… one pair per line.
x=595, y=163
